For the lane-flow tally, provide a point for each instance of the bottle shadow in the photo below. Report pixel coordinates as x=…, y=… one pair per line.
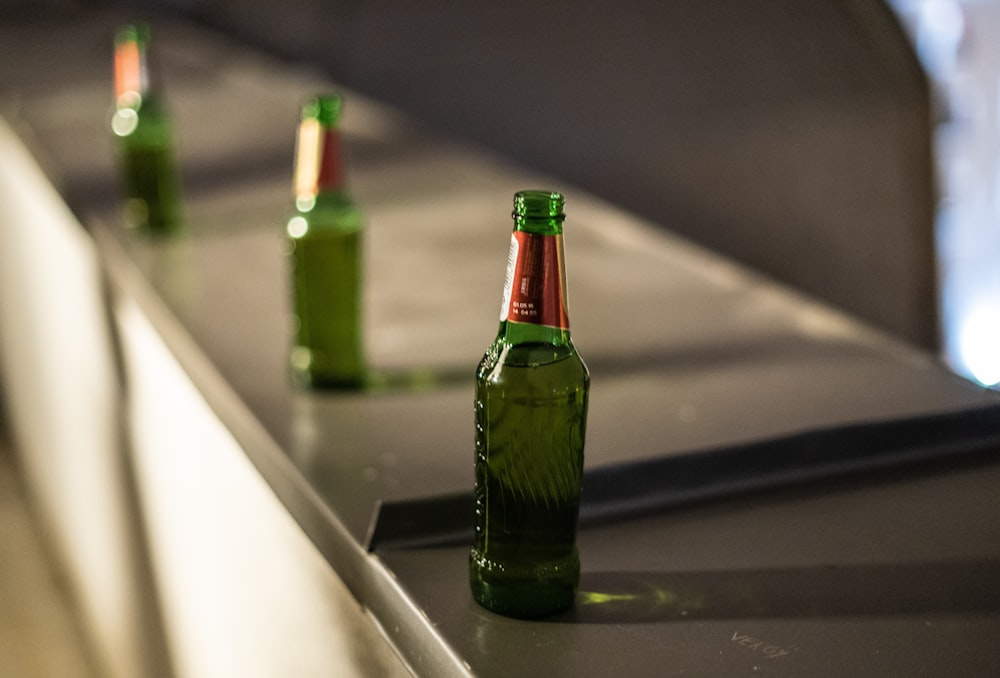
x=959, y=587
x=416, y=379
x=389, y=381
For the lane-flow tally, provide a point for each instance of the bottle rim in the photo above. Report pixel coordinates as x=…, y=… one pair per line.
x=539, y=204
x=138, y=33
x=324, y=108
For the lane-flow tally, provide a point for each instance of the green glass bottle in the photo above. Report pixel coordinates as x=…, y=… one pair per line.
x=325, y=243
x=145, y=138
x=532, y=390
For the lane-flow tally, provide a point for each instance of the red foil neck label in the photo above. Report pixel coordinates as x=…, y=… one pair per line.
x=130, y=73
x=317, y=165
x=534, y=290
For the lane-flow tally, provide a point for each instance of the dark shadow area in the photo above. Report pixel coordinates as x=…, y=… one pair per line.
x=621, y=491
x=962, y=587
x=794, y=137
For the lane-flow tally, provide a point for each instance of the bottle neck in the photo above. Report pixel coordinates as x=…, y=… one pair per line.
x=533, y=308
x=318, y=166
x=135, y=79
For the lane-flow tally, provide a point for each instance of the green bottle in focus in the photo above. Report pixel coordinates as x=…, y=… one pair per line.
x=531, y=414
x=325, y=244
x=145, y=138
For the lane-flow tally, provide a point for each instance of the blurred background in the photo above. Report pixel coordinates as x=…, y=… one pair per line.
x=847, y=147
x=955, y=41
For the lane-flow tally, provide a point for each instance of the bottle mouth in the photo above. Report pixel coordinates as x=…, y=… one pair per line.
x=538, y=205
x=137, y=32
x=324, y=108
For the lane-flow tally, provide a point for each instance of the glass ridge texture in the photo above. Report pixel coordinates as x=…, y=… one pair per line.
x=531, y=398
x=325, y=256
x=150, y=178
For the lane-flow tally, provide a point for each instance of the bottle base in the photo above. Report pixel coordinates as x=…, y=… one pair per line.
x=524, y=597
x=308, y=379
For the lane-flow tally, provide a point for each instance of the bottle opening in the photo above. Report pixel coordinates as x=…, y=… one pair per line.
x=539, y=205
x=325, y=109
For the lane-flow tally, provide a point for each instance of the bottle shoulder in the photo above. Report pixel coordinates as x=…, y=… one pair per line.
x=146, y=124
x=503, y=353
x=331, y=214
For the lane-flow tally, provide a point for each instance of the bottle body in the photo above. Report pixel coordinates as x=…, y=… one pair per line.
x=325, y=242
x=150, y=178
x=530, y=431
x=532, y=390
x=326, y=261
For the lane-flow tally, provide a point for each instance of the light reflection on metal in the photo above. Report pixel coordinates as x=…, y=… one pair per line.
x=62, y=396
x=955, y=41
x=597, y=598
x=979, y=343
x=245, y=592
x=643, y=599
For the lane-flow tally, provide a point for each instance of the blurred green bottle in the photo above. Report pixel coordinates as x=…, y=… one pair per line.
x=325, y=243
x=531, y=414
x=145, y=137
